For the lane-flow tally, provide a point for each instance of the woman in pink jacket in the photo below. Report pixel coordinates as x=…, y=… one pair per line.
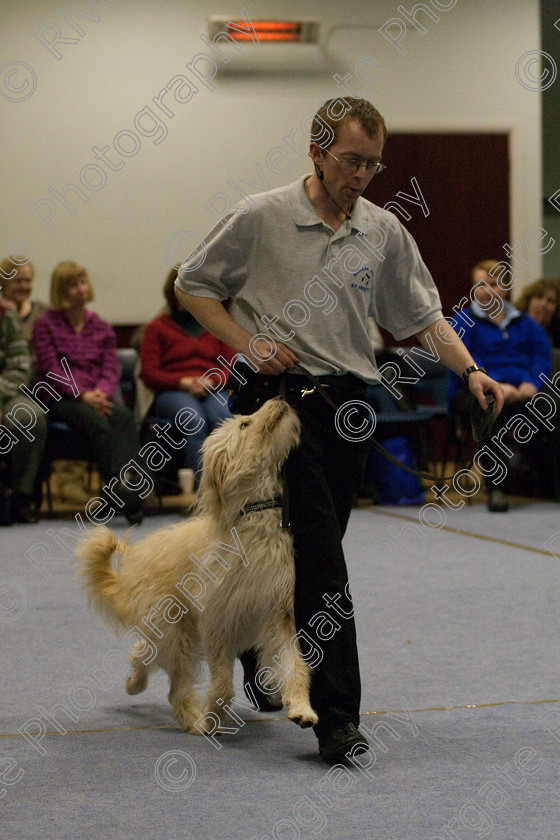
x=79, y=347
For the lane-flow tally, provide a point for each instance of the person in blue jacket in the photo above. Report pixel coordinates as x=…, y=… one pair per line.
x=510, y=345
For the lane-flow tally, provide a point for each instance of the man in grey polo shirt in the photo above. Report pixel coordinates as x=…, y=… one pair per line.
x=306, y=265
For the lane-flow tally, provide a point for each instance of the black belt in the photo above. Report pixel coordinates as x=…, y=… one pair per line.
x=305, y=384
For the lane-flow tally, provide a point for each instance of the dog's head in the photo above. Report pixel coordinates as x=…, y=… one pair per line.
x=242, y=458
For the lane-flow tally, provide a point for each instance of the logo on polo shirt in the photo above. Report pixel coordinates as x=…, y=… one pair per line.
x=362, y=278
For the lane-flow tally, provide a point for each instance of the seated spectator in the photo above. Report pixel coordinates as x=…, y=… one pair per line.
x=379, y=396
x=17, y=274
x=24, y=453
x=512, y=347
x=541, y=300
x=176, y=353
x=72, y=332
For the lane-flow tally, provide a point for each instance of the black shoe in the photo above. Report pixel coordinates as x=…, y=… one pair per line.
x=5, y=506
x=264, y=702
x=132, y=509
x=24, y=510
x=497, y=502
x=339, y=742
x=134, y=517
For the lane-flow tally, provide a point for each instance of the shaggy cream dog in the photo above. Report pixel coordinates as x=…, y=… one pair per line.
x=215, y=585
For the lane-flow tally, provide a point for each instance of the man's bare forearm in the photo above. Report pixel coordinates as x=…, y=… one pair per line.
x=216, y=319
x=441, y=337
x=450, y=349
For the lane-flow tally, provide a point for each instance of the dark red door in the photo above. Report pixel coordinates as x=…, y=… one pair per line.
x=464, y=183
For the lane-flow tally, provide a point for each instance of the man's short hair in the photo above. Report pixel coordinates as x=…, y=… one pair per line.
x=330, y=116
x=484, y=265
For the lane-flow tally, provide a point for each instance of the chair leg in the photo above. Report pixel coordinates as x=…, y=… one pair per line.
x=49, y=494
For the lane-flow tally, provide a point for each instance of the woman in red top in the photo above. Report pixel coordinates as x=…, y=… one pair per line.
x=176, y=354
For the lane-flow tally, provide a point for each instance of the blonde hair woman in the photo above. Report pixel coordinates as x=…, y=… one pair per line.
x=71, y=336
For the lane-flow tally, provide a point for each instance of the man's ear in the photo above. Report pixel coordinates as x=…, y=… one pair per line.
x=316, y=153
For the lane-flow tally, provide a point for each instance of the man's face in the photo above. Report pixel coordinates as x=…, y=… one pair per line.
x=488, y=290
x=19, y=287
x=351, y=142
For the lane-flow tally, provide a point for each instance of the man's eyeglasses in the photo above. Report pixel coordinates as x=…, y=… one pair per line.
x=352, y=164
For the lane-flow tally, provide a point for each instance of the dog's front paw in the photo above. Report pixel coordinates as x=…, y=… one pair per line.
x=203, y=726
x=189, y=716
x=136, y=682
x=303, y=715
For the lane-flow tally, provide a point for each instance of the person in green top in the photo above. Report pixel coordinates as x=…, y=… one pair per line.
x=23, y=428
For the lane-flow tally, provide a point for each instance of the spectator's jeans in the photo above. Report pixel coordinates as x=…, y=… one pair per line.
x=324, y=475
x=205, y=415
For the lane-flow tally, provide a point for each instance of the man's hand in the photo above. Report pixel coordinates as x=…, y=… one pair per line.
x=98, y=401
x=215, y=318
x=283, y=359
x=480, y=384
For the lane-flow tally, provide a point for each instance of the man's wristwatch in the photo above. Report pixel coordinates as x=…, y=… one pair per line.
x=466, y=373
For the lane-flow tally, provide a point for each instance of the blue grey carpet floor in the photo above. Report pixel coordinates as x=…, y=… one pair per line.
x=458, y=633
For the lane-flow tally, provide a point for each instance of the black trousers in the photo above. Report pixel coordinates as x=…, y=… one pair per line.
x=324, y=475
x=114, y=440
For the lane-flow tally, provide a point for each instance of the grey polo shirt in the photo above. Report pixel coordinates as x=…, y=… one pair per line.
x=296, y=281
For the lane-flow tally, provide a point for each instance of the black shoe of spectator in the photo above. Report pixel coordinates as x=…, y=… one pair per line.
x=265, y=702
x=24, y=509
x=338, y=743
x=132, y=509
x=5, y=506
x=134, y=517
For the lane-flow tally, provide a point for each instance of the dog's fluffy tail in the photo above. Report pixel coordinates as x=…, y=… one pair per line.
x=100, y=579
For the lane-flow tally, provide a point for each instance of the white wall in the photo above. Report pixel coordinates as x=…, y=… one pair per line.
x=460, y=75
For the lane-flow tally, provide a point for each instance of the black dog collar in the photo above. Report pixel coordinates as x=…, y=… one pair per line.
x=268, y=505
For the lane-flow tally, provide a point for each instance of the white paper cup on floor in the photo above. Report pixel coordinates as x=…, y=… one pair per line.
x=186, y=481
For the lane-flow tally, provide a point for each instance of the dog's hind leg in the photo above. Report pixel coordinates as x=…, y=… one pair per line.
x=138, y=679
x=291, y=668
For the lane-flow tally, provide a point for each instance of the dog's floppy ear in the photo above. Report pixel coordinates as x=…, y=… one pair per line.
x=214, y=470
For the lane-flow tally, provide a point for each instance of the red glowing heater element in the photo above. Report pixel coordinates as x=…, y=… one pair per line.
x=267, y=30
x=304, y=31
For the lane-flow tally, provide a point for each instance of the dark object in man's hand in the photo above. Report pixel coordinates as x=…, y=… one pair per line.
x=482, y=419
